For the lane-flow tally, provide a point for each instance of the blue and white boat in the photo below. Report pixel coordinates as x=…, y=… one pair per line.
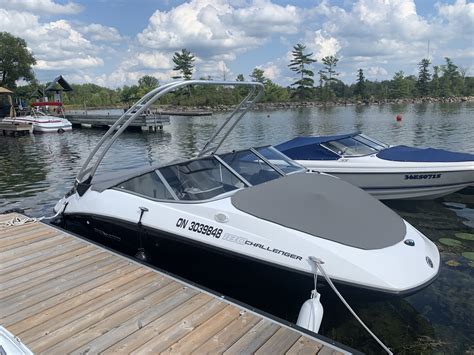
x=386, y=172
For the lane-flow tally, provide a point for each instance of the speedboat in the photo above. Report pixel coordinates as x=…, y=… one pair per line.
x=254, y=204
x=42, y=122
x=386, y=172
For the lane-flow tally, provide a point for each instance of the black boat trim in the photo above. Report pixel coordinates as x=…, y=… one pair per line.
x=181, y=239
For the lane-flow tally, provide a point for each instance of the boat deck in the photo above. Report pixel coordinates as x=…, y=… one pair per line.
x=61, y=294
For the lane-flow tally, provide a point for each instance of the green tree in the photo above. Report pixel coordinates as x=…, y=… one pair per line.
x=184, y=64
x=330, y=63
x=240, y=77
x=300, y=64
x=145, y=84
x=15, y=60
x=435, y=82
x=451, y=82
x=328, y=74
x=400, y=86
x=148, y=81
x=258, y=75
x=360, y=85
x=424, y=77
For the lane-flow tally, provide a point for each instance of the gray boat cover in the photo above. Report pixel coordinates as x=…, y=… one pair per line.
x=326, y=207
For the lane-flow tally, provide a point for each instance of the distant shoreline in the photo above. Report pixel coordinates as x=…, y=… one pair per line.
x=294, y=104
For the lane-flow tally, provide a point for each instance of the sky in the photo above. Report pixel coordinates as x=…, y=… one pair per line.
x=115, y=42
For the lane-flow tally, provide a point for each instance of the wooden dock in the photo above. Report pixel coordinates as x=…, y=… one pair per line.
x=14, y=129
x=145, y=123
x=61, y=294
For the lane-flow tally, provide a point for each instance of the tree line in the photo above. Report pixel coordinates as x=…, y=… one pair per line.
x=323, y=85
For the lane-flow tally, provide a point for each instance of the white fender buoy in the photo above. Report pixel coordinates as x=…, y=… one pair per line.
x=311, y=313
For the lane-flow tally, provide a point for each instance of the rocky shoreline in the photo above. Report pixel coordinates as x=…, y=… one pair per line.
x=263, y=106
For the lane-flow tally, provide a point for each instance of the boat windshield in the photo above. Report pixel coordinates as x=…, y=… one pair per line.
x=281, y=161
x=200, y=179
x=357, y=145
x=206, y=178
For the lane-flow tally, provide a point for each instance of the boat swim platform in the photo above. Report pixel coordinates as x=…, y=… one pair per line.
x=62, y=294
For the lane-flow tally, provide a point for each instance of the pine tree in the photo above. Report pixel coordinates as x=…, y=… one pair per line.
x=329, y=74
x=435, y=83
x=360, y=86
x=451, y=78
x=424, y=77
x=300, y=64
x=400, y=87
x=330, y=63
x=184, y=64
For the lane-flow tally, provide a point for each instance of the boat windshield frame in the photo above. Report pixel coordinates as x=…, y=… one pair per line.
x=361, y=139
x=222, y=161
x=91, y=164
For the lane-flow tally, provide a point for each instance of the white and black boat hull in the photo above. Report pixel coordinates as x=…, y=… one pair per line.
x=353, y=251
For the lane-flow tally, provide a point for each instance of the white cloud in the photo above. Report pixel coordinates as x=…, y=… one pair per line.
x=76, y=63
x=271, y=70
x=322, y=45
x=375, y=72
x=102, y=33
x=41, y=6
x=390, y=35
x=56, y=45
x=214, y=29
x=459, y=18
x=264, y=17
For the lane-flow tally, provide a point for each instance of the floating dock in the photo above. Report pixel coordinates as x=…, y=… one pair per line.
x=148, y=123
x=15, y=129
x=61, y=294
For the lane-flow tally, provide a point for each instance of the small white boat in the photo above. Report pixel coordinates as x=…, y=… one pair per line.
x=42, y=122
x=386, y=172
x=253, y=204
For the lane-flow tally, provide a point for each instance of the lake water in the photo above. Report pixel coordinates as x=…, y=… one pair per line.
x=35, y=171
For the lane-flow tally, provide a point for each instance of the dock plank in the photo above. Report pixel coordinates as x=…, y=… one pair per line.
x=158, y=342
x=158, y=301
x=31, y=259
x=62, y=275
x=156, y=318
x=205, y=331
x=61, y=294
x=14, y=272
x=221, y=341
x=281, y=341
x=59, y=316
x=72, y=297
x=304, y=346
x=254, y=339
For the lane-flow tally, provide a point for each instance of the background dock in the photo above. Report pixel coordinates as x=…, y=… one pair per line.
x=145, y=122
x=61, y=294
x=7, y=128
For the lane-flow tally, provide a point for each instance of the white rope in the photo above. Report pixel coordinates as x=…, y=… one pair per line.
x=20, y=221
x=318, y=263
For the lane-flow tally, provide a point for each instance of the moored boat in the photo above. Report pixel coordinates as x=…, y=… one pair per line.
x=254, y=204
x=386, y=172
x=42, y=122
